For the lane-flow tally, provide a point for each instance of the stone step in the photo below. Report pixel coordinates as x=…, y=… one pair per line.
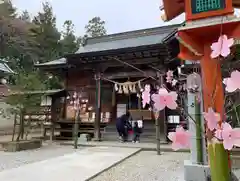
x=146, y=134
x=144, y=129
x=147, y=126
x=114, y=137
x=144, y=140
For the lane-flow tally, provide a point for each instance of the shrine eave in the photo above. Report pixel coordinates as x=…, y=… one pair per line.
x=132, y=40
x=59, y=63
x=146, y=43
x=51, y=92
x=5, y=69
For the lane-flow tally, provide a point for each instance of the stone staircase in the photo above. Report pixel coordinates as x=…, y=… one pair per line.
x=148, y=135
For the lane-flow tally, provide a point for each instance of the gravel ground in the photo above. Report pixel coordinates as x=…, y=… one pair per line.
x=12, y=160
x=147, y=166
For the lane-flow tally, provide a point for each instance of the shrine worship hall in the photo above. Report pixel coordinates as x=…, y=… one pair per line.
x=109, y=72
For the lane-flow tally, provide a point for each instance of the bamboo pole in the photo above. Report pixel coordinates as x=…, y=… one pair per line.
x=198, y=132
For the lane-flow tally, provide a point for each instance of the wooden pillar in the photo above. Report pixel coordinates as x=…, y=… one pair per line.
x=214, y=98
x=97, y=133
x=129, y=101
x=163, y=124
x=139, y=101
x=53, y=117
x=113, y=114
x=157, y=124
x=22, y=123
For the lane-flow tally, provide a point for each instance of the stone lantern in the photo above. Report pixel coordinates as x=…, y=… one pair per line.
x=194, y=82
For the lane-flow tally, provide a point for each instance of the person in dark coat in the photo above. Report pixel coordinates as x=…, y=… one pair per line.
x=122, y=126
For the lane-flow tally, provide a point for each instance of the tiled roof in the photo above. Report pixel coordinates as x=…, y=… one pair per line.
x=5, y=68
x=61, y=61
x=129, y=39
x=46, y=92
x=123, y=40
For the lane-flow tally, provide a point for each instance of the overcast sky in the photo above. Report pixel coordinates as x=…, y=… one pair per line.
x=120, y=16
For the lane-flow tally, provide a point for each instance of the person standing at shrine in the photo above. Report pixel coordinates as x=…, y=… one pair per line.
x=122, y=123
x=137, y=130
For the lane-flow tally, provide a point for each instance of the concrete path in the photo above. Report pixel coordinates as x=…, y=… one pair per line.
x=78, y=166
x=144, y=146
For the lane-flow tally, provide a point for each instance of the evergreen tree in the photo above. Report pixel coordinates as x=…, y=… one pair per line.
x=16, y=39
x=69, y=42
x=94, y=28
x=25, y=16
x=7, y=10
x=48, y=36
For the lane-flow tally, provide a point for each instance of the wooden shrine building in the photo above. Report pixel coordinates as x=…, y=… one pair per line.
x=109, y=71
x=5, y=71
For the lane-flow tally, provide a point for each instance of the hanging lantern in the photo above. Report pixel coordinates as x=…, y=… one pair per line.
x=194, y=82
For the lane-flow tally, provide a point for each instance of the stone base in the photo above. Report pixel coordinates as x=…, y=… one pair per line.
x=22, y=145
x=195, y=172
x=85, y=137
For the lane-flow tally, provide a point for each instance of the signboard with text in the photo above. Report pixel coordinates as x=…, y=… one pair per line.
x=199, y=6
x=199, y=9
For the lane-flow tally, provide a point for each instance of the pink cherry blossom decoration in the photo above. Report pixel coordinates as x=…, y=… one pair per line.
x=232, y=83
x=180, y=139
x=221, y=47
x=212, y=118
x=164, y=99
x=146, y=95
x=230, y=136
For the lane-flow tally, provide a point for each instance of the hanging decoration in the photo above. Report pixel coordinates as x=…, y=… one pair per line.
x=127, y=87
x=232, y=83
x=120, y=91
x=165, y=99
x=116, y=87
x=146, y=95
x=139, y=86
x=222, y=47
x=134, y=90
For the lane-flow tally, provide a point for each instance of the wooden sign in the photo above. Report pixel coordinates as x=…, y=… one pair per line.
x=199, y=6
x=198, y=9
x=70, y=112
x=140, y=114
